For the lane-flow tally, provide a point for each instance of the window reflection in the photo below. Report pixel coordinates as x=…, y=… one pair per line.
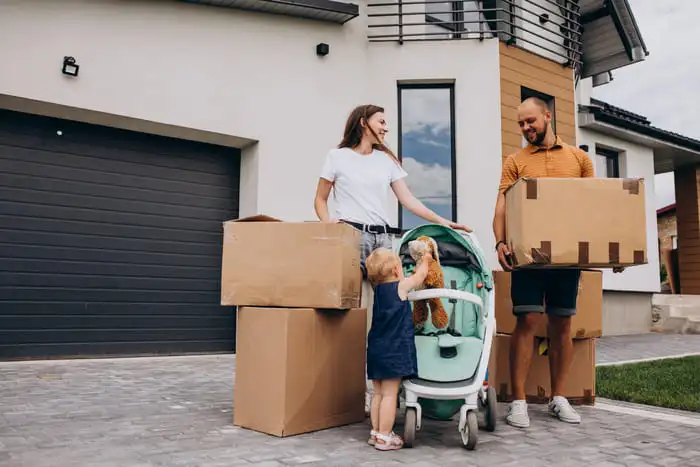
x=427, y=149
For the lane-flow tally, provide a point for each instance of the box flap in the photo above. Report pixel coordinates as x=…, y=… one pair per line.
x=258, y=218
x=253, y=218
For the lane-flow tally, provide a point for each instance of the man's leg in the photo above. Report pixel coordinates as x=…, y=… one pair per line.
x=527, y=294
x=561, y=295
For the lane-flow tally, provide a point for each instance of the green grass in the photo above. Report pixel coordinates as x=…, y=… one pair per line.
x=672, y=383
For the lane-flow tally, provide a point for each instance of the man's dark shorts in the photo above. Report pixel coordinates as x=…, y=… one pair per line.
x=558, y=288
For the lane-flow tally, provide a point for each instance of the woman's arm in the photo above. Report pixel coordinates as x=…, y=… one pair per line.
x=410, y=202
x=321, y=200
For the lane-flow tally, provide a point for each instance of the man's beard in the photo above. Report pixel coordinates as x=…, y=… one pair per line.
x=539, y=137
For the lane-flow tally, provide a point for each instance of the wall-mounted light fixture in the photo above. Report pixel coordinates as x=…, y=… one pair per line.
x=322, y=49
x=544, y=17
x=70, y=68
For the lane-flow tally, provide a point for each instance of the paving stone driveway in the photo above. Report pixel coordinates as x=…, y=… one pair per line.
x=177, y=412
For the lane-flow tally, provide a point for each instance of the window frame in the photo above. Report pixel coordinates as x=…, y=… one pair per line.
x=453, y=139
x=610, y=155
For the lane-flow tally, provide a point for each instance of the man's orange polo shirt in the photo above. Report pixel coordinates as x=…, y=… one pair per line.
x=559, y=161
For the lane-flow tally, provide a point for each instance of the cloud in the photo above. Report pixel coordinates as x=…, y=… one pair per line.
x=425, y=109
x=431, y=183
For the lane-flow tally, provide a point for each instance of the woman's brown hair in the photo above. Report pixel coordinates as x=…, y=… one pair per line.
x=353, y=130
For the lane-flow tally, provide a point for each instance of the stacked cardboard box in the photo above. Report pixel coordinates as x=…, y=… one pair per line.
x=300, y=334
x=586, y=326
x=563, y=223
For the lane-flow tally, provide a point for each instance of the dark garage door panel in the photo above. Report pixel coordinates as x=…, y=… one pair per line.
x=110, y=240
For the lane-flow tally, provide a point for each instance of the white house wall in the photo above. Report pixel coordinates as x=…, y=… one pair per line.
x=216, y=73
x=635, y=161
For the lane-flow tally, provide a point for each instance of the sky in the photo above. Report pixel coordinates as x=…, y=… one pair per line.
x=426, y=149
x=661, y=87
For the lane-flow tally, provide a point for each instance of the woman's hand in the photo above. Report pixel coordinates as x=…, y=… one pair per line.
x=457, y=226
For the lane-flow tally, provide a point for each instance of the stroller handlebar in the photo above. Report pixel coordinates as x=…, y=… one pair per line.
x=445, y=293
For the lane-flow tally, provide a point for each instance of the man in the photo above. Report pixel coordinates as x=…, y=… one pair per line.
x=545, y=156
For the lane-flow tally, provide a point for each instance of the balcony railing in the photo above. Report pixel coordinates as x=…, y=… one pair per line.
x=549, y=28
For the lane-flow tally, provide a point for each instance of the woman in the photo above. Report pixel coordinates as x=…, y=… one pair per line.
x=361, y=171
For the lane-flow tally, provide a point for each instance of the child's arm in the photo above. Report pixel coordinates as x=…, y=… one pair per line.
x=418, y=276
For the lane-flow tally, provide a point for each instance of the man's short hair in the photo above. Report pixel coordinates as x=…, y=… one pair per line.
x=538, y=102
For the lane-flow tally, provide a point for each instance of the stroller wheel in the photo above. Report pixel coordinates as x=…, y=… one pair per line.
x=470, y=432
x=490, y=415
x=409, y=427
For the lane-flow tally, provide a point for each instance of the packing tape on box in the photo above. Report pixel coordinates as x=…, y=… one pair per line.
x=543, y=254
x=631, y=185
x=531, y=188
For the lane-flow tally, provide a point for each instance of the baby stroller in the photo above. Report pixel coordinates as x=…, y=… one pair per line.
x=452, y=362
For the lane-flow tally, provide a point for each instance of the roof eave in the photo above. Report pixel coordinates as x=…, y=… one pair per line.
x=631, y=39
x=331, y=11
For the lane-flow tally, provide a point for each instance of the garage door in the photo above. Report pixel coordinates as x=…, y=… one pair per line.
x=110, y=240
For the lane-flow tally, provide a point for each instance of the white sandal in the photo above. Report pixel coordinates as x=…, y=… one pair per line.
x=372, y=438
x=388, y=443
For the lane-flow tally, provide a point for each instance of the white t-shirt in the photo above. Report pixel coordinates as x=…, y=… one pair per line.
x=361, y=184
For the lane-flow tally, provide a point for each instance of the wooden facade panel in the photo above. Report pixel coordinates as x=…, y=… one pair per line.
x=540, y=74
x=518, y=69
x=528, y=57
x=560, y=94
x=512, y=139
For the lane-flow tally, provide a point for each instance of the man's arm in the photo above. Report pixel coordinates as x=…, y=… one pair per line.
x=499, y=218
x=586, y=165
x=509, y=175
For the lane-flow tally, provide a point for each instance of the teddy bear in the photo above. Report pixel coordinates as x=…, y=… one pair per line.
x=434, y=280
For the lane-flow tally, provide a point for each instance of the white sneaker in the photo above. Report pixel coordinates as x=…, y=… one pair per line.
x=517, y=414
x=559, y=407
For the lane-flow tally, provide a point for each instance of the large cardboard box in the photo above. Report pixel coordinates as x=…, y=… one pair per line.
x=299, y=370
x=290, y=264
x=587, y=222
x=587, y=322
x=580, y=383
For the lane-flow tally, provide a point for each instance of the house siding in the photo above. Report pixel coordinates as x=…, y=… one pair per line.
x=520, y=68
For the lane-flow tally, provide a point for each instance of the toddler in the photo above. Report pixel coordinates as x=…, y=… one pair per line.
x=391, y=348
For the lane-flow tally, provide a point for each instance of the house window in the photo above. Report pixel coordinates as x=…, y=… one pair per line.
x=462, y=16
x=427, y=148
x=608, y=162
x=449, y=15
x=526, y=93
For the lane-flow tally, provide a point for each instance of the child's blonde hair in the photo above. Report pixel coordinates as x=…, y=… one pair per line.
x=380, y=264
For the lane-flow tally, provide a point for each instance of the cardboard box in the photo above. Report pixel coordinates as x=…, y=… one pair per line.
x=586, y=222
x=299, y=370
x=580, y=383
x=587, y=322
x=290, y=264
